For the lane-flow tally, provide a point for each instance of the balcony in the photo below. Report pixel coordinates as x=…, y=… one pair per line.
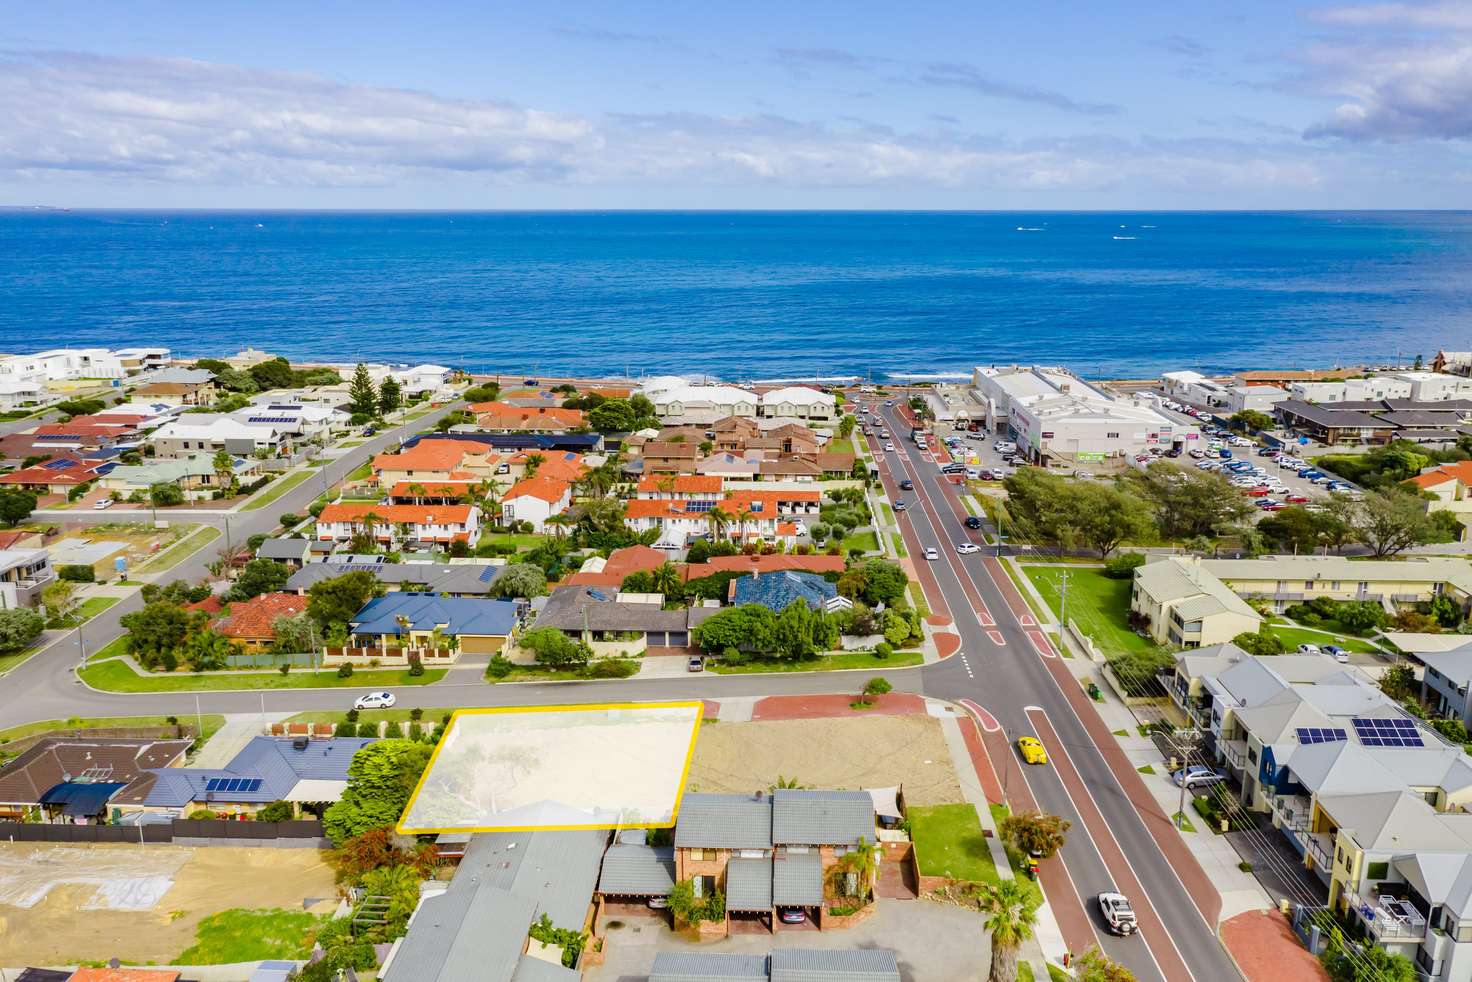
x=1235, y=751
x=1389, y=919
x=1318, y=846
x=1292, y=812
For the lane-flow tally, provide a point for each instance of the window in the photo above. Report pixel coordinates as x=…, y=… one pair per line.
x=1308, y=584
x=697, y=855
x=1377, y=871
x=1111, y=436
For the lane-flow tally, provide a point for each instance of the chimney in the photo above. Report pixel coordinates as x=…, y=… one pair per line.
x=761, y=795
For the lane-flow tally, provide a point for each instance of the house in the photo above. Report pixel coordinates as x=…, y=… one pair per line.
x=184, y=376
x=62, y=765
x=799, y=402
x=790, y=468
x=743, y=466
x=751, y=515
x=732, y=433
x=676, y=400
x=680, y=487
x=195, y=474
x=476, y=928
x=1450, y=486
x=778, y=591
x=563, y=465
x=393, y=524
x=599, y=572
x=432, y=492
x=251, y=624
x=457, y=580
x=763, y=564
x=787, y=438
x=121, y=975
x=178, y=393
x=293, y=553
x=141, y=359
x=782, y=965
x=24, y=573
x=435, y=459
x=420, y=620
x=535, y=500
x=612, y=623
x=300, y=421
x=1183, y=608
x=23, y=394
x=1446, y=681
x=265, y=770
x=59, y=475
x=669, y=458
x=500, y=417
x=78, y=434
x=1285, y=580
x=207, y=433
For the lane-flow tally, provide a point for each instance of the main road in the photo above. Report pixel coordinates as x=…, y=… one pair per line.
x=1005, y=671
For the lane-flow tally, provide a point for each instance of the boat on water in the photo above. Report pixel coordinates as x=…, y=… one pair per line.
x=1026, y=228
x=1124, y=238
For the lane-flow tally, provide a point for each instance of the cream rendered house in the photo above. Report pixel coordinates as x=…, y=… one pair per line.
x=1186, y=607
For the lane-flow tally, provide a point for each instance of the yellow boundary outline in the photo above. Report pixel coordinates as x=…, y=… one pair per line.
x=696, y=704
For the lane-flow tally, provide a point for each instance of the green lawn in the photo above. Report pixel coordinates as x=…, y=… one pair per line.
x=240, y=935
x=1295, y=636
x=899, y=545
x=866, y=541
x=949, y=843
x=179, y=551
x=430, y=717
x=828, y=663
x=917, y=599
x=17, y=658
x=211, y=724
x=362, y=472
x=1097, y=604
x=887, y=512
x=113, y=675
x=522, y=541
x=85, y=611
x=275, y=490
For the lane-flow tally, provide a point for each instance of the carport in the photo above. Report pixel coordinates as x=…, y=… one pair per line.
x=79, y=802
x=633, y=875
x=797, y=881
x=749, y=894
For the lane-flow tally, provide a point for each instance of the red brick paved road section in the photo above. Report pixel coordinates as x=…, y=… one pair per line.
x=1152, y=929
x=819, y=707
x=1266, y=949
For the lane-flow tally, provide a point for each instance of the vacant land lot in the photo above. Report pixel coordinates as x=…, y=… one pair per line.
x=74, y=890
x=843, y=752
x=1100, y=606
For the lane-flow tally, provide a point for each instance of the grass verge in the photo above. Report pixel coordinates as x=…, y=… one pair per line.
x=899, y=545
x=827, y=663
x=1000, y=814
x=181, y=550
x=276, y=490
x=1098, y=604
x=211, y=724
x=115, y=675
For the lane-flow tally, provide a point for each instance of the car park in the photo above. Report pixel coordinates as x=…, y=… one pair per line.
x=1118, y=915
x=1197, y=776
x=375, y=700
x=967, y=548
x=931, y=553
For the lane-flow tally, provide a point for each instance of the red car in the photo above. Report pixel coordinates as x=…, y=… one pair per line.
x=1271, y=505
x=1297, y=499
x=1261, y=491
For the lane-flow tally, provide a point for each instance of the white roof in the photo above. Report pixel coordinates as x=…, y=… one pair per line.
x=212, y=428
x=800, y=394
x=316, y=789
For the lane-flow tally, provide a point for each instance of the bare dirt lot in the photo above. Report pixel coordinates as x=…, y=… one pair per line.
x=840, y=752
x=81, y=896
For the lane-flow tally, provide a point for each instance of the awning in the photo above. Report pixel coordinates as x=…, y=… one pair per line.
x=315, y=789
x=81, y=800
x=749, y=884
x=886, y=802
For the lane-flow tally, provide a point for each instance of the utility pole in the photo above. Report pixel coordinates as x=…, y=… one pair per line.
x=1177, y=739
x=198, y=719
x=1063, y=602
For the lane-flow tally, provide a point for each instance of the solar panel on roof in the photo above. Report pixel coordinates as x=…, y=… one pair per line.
x=252, y=784
x=213, y=784
x=1320, y=734
x=1394, y=731
x=486, y=574
x=57, y=465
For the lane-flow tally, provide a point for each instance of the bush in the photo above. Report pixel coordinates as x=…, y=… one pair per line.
x=734, y=656
x=877, y=686
x=288, y=519
x=276, y=811
x=611, y=668
x=1122, y=566
x=76, y=573
x=416, y=666
x=500, y=667
x=203, y=815
x=416, y=731
x=1260, y=643
x=883, y=649
x=345, y=671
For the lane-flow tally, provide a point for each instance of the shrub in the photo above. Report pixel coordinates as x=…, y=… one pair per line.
x=500, y=667
x=416, y=666
x=883, y=649
x=276, y=811
x=284, y=668
x=877, y=686
x=1122, y=566
x=203, y=815
x=345, y=671
x=416, y=714
x=1260, y=643
x=77, y=573
x=734, y=656
x=288, y=519
x=611, y=668
x=416, y=730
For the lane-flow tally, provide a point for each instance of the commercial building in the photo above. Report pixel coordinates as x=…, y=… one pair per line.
x=1431, y=423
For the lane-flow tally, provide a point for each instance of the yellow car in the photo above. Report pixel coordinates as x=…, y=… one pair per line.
x=1032, y=750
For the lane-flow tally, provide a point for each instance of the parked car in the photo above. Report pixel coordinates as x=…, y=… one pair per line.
x=530, y=381
x=972, y=522
x=102, y=503
x=967, y=548
x=1032, y=750
x=1297, y=499
x=1308, y=649
x=791, y=915
x=931, y=553
x=1337, y=653
x=375, y=700
x=1196, y=776
x=695, y=664
x=1119, y=916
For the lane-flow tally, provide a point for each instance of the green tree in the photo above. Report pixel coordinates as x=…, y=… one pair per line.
x=884, y=582
x=163, y=494
x=224, y=468
x=59, y=598
x=793, y=631
x=1012, y=914
x=1446, y=610
x=362, y=394
x=159, y=629
x=555, y=649
x=666, y=579
x=1399, y=683
x=1035, y=833
x=613, y=416
x=1095, y=966
x=750, y=627
x=16, y=506
x=273, y=374
x=18, y=628
x=236, y=380
x=294, y=635
x=259, y=576
x=390, y=396
x=1367, y=963
x=1262, y=642
x=207, y=651
x=520, y=580
x=335, y=601
x=1250, y=421
x=1390, y=520
x=1190, y=502
x=381, y=778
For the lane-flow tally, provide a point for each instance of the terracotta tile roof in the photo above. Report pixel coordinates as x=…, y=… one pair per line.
x=657, y=508
x=11, y=540
x=210, y=604
x=631, y=559
x=404, y=489
x=1460, y=470
x=254, y=618
x=765, y=564
x=502, y=416
x=124, y=975
x=548, y=489
x=565, y=466
x=396, y=514
x=682, y=484
x=426, y=455
x=746, y=498
x=612, y=393
x=58, y=470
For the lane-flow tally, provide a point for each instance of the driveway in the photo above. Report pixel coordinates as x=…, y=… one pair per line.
x=931, y=941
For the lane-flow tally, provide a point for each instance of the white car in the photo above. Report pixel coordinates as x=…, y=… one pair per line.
x=967, y=548
x=1118, y=914
x=889, y=448
x=799, y=528
x=102, y=503
x=1308, y=649
x=931, y=553
x=375, y=700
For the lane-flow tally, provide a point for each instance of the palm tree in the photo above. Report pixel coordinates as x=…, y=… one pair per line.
x=1013, y=913
x=224, y=467
x=718, y=519
x=862, y=860
x=558, y=522
x=666, y=579
x=370, y=522
x=743, y=516
x=418, y=491
x=533, y=462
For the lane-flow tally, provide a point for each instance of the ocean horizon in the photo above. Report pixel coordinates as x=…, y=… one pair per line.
x=747, y=294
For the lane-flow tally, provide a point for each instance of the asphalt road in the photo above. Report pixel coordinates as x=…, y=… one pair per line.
x=1000, y=667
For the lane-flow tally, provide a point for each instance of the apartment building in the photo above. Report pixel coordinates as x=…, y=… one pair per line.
x=207, y=433
x=24, y=573
x=1183, y=608
x=397, y=525
x=799, y=402
x=751, y=515
x=676, y=400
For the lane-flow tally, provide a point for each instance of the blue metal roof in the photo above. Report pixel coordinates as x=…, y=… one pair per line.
x=82, y=799
x=274, y=761
x=425, y=611
x=778, y=590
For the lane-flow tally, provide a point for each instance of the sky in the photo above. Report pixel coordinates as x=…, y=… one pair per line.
x=452, y=104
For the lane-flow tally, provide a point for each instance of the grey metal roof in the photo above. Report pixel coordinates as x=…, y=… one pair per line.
x=797, y=880
x=283, y=549
x=822, y=817
x=749, y=884
x=705, y=966
x=724, y=821
x=477, y=928
x=575, y=608
x=638, y=870
x=530, y=969
x=834, y=965
x=461, y=579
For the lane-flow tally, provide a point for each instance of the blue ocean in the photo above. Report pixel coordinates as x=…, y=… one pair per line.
x=746, y=295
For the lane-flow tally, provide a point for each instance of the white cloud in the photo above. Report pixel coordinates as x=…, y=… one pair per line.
x=1394, y=91
x=142, y=121
x=1425, y=16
